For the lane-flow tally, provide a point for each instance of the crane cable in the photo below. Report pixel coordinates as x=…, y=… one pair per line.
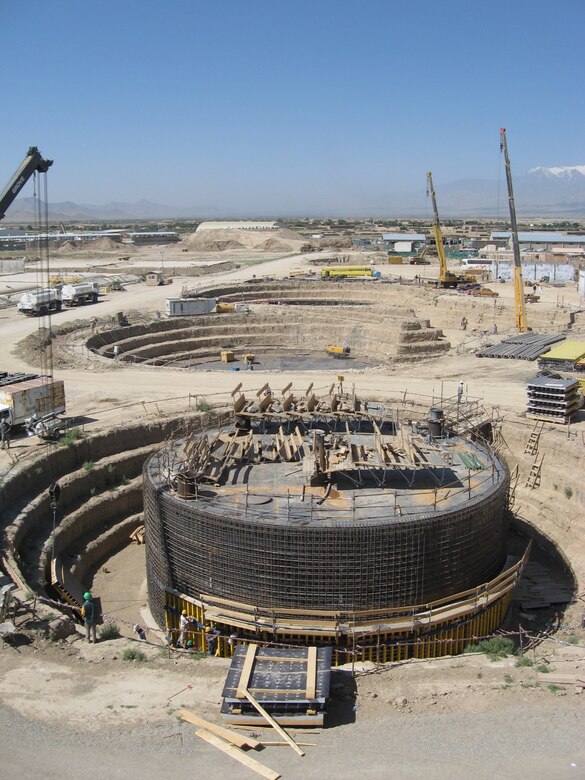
x=45, y=334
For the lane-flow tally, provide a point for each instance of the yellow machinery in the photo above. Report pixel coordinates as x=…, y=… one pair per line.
x=446, y=278
x=342, y=271
x=249, y=358
x=519, y=303
x=227, y=356
x=338, y=352
x=225, y=308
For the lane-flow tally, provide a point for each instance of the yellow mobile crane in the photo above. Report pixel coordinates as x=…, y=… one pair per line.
x=519, y=307
x=446, y=278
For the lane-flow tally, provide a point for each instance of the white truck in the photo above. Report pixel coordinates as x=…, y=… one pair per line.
x=189, y=307
x=79, y=294
x=40, y=302
x=30, y=398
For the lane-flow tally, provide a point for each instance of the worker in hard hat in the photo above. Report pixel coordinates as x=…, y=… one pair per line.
x=211, y=639
x=183, y=624
x=88, y=613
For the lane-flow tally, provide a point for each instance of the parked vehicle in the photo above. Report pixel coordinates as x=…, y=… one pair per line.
x=21, y=399
x=79, y=294
x=40, y=302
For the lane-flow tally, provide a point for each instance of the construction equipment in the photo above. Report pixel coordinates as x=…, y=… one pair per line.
x=519, y=303
x=25, y=396
x=446, y=277
x=249, y=359
x=40, y=302
x=343, y=271
x=79, y=294
x=419, y=258
x=337, y=352
x=48, y=427
x=33, y=162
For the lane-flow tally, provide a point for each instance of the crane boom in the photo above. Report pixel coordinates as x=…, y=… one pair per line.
x=519, y=305
x=34, y=161
x=446, y=278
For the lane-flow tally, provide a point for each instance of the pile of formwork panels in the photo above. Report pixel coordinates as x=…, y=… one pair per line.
x=523, y=346
x=291, y=684
x=553, y=400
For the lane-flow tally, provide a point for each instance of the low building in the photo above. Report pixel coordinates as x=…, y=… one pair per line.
x=238, y=225
x=403, y=242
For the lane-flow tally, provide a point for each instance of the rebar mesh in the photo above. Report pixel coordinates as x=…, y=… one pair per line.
x=275, y=560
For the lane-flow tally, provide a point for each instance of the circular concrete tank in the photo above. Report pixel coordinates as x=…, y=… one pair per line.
x=339, y=512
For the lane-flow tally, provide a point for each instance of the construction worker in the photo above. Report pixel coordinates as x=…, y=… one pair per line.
x=88, y=613
x=460, y=391
x=211, y=639
x=183, y=625
x=5, y=434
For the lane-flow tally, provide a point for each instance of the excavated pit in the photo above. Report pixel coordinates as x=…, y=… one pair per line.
x=289, y=321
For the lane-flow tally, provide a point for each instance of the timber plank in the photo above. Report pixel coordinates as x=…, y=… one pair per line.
x=272, y=722
x=230, y=736
x=312, y=673
x=246, y=671
x=238, y=754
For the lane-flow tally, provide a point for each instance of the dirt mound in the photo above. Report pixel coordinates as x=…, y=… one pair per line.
x=274, y=245
x=340, y=242
x=222, y=239
x=104, y=243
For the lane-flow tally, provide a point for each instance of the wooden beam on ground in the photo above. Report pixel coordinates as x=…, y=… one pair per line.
x=312, y=673
x=285, y=744
x=246, y=671
x=273, y=723
x=230, y=736
x=239, y=755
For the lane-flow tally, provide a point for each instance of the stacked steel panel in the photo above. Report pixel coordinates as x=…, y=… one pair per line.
x=553, y=400
x=524, y=346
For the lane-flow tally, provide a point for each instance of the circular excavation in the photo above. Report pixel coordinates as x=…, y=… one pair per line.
x=283, y=325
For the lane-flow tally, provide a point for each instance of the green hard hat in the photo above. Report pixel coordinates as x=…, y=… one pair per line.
x=87, y=595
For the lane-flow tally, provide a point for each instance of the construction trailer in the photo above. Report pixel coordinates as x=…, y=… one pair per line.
x=189, y=307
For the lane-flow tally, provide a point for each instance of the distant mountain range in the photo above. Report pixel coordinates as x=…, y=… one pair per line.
x=542, y=192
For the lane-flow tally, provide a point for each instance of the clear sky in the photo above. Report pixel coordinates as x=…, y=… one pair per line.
x=271, y=107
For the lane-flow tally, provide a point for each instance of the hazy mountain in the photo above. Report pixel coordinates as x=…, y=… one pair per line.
x=23, y=210
x=542, y=192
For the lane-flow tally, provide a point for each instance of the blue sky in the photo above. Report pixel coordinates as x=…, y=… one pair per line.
x=273, y=108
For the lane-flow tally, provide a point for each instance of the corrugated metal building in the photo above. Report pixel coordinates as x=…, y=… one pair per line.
x=540, y=239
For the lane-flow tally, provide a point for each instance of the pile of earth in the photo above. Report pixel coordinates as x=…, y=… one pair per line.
x=280, y=240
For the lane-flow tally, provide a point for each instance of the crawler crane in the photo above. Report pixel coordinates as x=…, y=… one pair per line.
x=519, y=307
x=446, y=278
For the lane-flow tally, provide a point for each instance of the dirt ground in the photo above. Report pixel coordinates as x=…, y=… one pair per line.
x=82, y=707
